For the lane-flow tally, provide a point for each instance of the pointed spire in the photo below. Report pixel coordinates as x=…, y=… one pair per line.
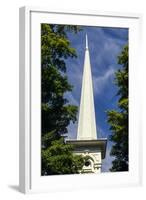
x=87, y=122
x=86, y=42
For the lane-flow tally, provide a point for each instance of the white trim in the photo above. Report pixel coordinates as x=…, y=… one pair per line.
x=24, y=99
x=84, y=12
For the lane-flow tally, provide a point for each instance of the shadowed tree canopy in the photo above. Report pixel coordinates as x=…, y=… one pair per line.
x=56, y=112
x=118, y=119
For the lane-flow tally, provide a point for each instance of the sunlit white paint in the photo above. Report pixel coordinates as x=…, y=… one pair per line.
x=87, y=122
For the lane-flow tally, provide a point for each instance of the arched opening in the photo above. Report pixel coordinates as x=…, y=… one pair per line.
x=87, y=163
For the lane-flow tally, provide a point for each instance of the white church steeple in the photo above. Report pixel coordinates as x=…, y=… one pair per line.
x=87, y=122
x=87, y=144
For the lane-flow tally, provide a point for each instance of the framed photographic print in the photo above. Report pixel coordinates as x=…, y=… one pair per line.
x=79, y=110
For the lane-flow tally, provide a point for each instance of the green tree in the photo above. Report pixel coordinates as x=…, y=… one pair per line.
x=56, y=112
x=118, y=119
x=58, y=159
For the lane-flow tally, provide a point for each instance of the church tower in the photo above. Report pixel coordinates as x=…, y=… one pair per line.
x=87, y=143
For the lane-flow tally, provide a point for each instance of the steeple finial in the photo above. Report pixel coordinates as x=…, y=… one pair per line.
x=86, y=42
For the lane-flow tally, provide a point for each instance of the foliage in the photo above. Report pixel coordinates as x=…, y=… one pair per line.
x=56, y=112
x=60, y=160
x=118, y=119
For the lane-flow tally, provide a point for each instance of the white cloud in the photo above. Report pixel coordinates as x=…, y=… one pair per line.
x=100, y=82
x=71, y=99
x=107, y=162
x=72, y=130
x=100, y=132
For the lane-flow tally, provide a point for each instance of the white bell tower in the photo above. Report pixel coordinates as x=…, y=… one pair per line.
x=88, y=144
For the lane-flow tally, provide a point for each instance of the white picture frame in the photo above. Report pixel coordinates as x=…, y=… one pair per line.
x=29, y=160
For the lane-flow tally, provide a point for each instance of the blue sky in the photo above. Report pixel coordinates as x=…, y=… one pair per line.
x=105, y=44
